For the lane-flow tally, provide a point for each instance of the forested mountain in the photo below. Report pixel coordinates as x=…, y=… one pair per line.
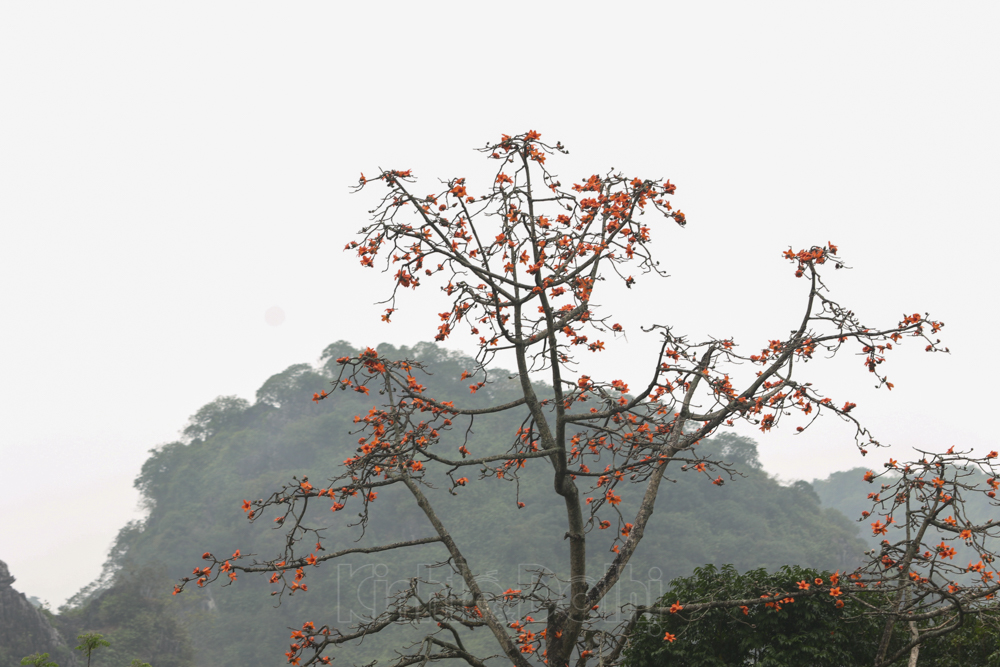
x=233, y=450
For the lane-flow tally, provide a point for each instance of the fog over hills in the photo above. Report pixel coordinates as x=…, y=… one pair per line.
x=233, y=449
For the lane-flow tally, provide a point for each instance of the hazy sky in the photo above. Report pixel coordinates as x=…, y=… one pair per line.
x=171, y=172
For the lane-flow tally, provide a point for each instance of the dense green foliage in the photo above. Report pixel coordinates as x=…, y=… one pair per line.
x=38, y=660
x=90, y=645
x=135, y=618
x=809, y=631
x=233, y=450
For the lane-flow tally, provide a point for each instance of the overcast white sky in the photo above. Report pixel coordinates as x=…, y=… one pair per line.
x=170, y=171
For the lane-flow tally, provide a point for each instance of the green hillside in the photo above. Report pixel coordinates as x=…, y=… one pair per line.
x=233, y=450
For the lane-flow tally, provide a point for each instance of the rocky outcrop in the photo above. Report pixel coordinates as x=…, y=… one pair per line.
x=25, y=630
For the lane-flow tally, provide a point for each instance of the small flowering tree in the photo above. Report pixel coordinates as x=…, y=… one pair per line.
x=924, y=512
x=517, y=266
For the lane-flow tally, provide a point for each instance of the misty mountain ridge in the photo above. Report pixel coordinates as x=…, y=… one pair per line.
x=232, y=450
